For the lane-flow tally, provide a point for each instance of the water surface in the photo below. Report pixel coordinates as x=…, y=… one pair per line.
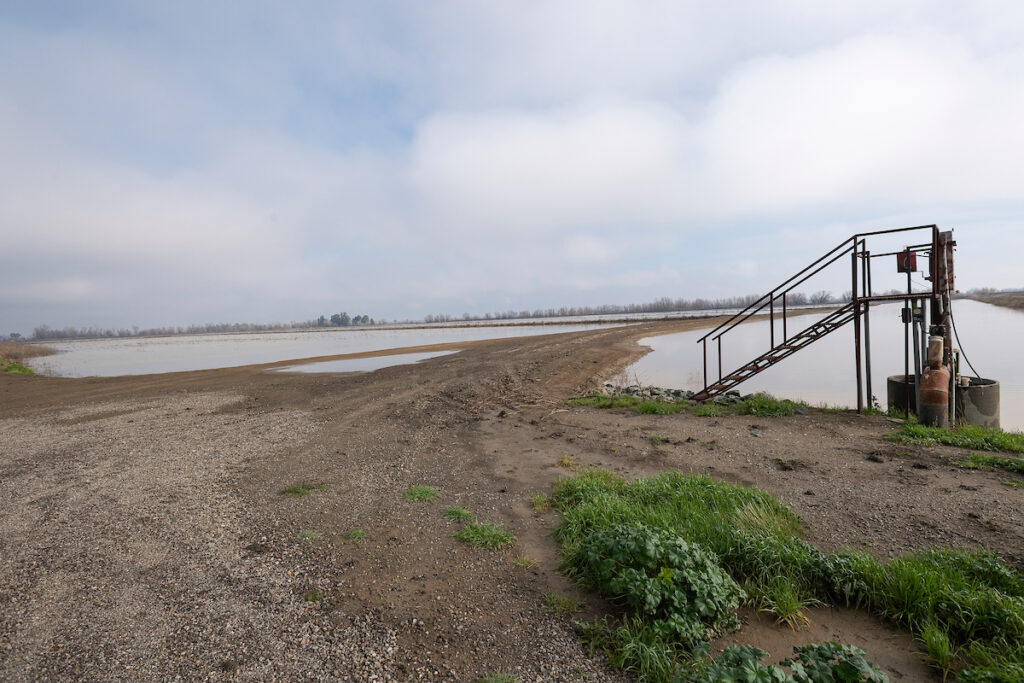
x=824, y=373
x=145, y=355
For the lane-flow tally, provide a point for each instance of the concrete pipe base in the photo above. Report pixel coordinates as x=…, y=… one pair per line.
x=976, y=404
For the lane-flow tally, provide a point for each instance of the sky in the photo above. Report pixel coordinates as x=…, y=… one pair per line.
x=190, y=162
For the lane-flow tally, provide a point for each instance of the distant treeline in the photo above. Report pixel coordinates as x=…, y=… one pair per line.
x=662, y=305
x=45, y=332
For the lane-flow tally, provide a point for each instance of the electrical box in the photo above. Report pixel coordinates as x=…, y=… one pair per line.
x=906, y=262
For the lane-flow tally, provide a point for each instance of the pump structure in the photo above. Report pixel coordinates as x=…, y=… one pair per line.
x=934, y=249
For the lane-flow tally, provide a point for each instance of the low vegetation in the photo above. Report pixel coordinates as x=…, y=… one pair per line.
x=485, y=535
x=15, y=368
x=760, y=405
x=499, y=678
x=561, y=604
x=16, y=352
x=301, y=490
x=967, y=436
x=679, y=552
x=310, y=535
x=458, y=514
x=540, y=503
x=983, y=461
x=354, y=535
x=420, y=493
x=815, y=663
x=526, y=562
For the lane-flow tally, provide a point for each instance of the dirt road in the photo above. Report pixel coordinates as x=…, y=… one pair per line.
x=144, y=534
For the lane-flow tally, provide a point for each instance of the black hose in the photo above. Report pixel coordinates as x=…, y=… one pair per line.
x=960, y=344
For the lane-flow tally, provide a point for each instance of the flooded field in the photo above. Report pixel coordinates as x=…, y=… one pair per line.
x=824, y=372
x=141, y=356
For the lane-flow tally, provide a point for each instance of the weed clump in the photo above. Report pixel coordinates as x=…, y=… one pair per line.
x=814, y=663
x=458, y=514
x=302, y=490
x=354, y=535
x=309, y=535
x=613, y=534
x=485, y=535
x=540, y=502
x=15, y=368
x=418, y=494
x=561, y=604
x=981, y=461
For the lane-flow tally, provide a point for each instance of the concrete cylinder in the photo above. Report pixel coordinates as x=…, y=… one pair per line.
x=976, y=404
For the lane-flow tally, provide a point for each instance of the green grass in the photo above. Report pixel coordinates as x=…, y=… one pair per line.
x=707, y=410
x=499, y=678
x=354, y=535
x=540, y=502
x=301, y=490
x=15, y=368
x=312, y=595
x=458, y=514
x=569, y=462
x=309, y=535
x=561, y=604
x=657, y=439
x=485, y=535
x=605, y=402
x=967, y=436
x=659, y=407
x=982, y=461
x=973, y=598
x=760, y=405
x=526, y=562
x=420, y=493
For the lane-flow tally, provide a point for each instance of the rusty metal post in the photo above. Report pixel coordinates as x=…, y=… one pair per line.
x=856, y=325
x=866, y=285
x=719, y=359
x=705, y=364
x=785, y=335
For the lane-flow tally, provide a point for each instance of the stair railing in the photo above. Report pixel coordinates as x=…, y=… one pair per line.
x=855, y=246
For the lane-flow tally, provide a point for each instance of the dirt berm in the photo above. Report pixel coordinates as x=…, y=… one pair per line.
x=144, y=534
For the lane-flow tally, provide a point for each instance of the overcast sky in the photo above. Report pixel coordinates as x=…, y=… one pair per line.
x=167, y=163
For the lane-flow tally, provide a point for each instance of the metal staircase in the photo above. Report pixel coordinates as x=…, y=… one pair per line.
x=856, y=310
x=830, y=323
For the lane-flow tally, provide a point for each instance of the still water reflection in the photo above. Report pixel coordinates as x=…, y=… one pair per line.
x=139, y=356
x=824, y=372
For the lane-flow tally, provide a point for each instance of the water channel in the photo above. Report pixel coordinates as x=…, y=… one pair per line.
x=824, y=373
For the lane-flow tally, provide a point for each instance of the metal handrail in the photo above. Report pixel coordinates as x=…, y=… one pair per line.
x=856, y=246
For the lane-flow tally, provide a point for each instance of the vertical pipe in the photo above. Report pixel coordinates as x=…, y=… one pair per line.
x=866, y=284
x=918, y=363
x=906, y=332
x=785, y=335
x=705, y=364
x=719, y=359
x=856, y=326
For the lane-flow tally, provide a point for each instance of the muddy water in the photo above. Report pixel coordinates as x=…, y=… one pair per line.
x=824, y=372
x=140, y=356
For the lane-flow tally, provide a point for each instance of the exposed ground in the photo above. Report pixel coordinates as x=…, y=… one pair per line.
x=144, y=533
x=1007, y=299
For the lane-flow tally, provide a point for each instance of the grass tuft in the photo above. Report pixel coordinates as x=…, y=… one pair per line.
x=309, y=535
x=354, y=535
x=561, y=604
x=420, y=493
x=569, y=462
x=15, y=368
x=540, y=502
x=526, y=562
x=458, y=514
x=982, y=461
x=499, y=678
x=485, y=535
x=301, y=490
x=312, y=595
